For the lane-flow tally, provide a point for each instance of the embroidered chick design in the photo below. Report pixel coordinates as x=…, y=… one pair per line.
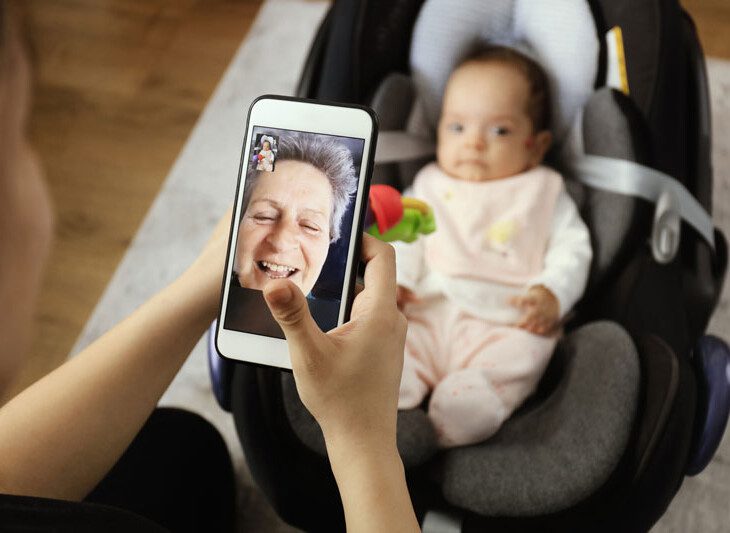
x=499, y=235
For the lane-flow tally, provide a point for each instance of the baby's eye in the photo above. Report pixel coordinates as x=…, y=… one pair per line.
x=455, y=127
x=499, y=131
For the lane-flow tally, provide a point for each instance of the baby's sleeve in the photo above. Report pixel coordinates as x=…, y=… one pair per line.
x=568, y=258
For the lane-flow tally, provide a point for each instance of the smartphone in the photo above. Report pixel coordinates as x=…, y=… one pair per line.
x=302, y=191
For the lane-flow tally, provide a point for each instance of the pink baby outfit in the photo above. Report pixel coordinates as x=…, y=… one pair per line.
x=494, y=240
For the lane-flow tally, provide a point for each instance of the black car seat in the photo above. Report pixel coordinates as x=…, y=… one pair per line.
x=605, y=441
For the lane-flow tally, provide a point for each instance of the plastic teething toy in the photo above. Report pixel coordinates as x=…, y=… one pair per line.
x=392, y=217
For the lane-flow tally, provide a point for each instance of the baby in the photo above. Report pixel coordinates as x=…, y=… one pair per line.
x=484, y=295
x=265, y=157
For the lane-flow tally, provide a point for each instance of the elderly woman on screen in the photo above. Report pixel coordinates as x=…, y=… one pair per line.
x=291, y=215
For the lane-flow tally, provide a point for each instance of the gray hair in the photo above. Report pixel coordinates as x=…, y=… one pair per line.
x=324, y=153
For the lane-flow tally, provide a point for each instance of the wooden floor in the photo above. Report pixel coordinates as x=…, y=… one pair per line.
x=120, y=84
x=712, y=18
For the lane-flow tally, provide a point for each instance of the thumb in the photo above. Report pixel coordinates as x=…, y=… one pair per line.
x=289, y=307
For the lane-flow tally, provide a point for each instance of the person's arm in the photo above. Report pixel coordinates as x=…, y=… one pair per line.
x=60, y=436
x=349, y=379
x=372, y=484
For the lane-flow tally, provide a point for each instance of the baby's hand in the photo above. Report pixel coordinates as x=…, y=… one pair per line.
x=541, y=310
x=404, y=296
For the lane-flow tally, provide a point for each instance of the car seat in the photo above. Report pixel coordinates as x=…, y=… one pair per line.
x=635, y=397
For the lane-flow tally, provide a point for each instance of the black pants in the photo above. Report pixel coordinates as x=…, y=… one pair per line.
x=176, y=473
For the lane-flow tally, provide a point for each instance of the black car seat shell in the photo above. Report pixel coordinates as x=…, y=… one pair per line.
x=648, y=314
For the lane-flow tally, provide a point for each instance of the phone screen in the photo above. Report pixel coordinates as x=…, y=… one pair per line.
x=295, y=222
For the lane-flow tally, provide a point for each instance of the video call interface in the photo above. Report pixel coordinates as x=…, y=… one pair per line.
x=295, y=222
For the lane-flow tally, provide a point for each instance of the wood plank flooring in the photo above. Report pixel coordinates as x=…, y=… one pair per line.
x=120, y=83
x=712, y=18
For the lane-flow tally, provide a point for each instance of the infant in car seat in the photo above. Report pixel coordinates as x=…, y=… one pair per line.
x=485, y=294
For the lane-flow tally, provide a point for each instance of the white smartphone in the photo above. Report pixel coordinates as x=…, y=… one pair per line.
x=302, y=190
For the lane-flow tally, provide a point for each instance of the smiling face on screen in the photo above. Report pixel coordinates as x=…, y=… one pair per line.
x=285, y=230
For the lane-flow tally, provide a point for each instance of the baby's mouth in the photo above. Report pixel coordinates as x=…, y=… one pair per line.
x=474, y=162
x=276, y=270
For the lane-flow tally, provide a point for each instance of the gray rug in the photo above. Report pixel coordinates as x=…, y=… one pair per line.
x=200, y=188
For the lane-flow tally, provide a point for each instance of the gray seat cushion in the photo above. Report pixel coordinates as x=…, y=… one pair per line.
x=416, y=439
x=550, y=457
x=560, y=34
x=551, y=454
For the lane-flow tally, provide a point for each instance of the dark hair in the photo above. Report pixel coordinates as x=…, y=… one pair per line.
x=327, y=155
x=539, y=104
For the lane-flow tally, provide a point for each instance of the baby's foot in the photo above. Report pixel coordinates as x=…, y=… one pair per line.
x=465, y=409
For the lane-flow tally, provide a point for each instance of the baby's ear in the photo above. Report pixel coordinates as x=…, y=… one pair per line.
x=540, y=146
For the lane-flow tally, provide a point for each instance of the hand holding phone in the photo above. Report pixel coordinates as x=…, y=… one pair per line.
x=297, y=216
x=348, y=378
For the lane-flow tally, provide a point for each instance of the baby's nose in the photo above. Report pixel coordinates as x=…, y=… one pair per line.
x=476, y=139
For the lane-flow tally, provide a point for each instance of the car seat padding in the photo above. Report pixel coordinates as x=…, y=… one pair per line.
x=561, y=35
x=416, y=438
x=560, y=452
x=546, y=457
x=610, y=126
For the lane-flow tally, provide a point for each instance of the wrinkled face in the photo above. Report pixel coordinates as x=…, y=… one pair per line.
x=484, y=132
x=285, y=230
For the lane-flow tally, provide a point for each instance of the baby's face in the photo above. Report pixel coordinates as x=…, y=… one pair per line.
x=484, y=132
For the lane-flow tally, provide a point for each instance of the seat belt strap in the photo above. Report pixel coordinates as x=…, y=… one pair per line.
x=620, y=176
x=632, y=179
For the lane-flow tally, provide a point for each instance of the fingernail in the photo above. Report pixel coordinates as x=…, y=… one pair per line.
x=280, y=296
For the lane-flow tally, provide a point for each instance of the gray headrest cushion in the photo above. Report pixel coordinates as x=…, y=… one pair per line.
x=560, y=35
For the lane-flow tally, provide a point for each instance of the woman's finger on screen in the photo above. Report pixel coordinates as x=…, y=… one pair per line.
x=289, y=307
x=379, y=275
